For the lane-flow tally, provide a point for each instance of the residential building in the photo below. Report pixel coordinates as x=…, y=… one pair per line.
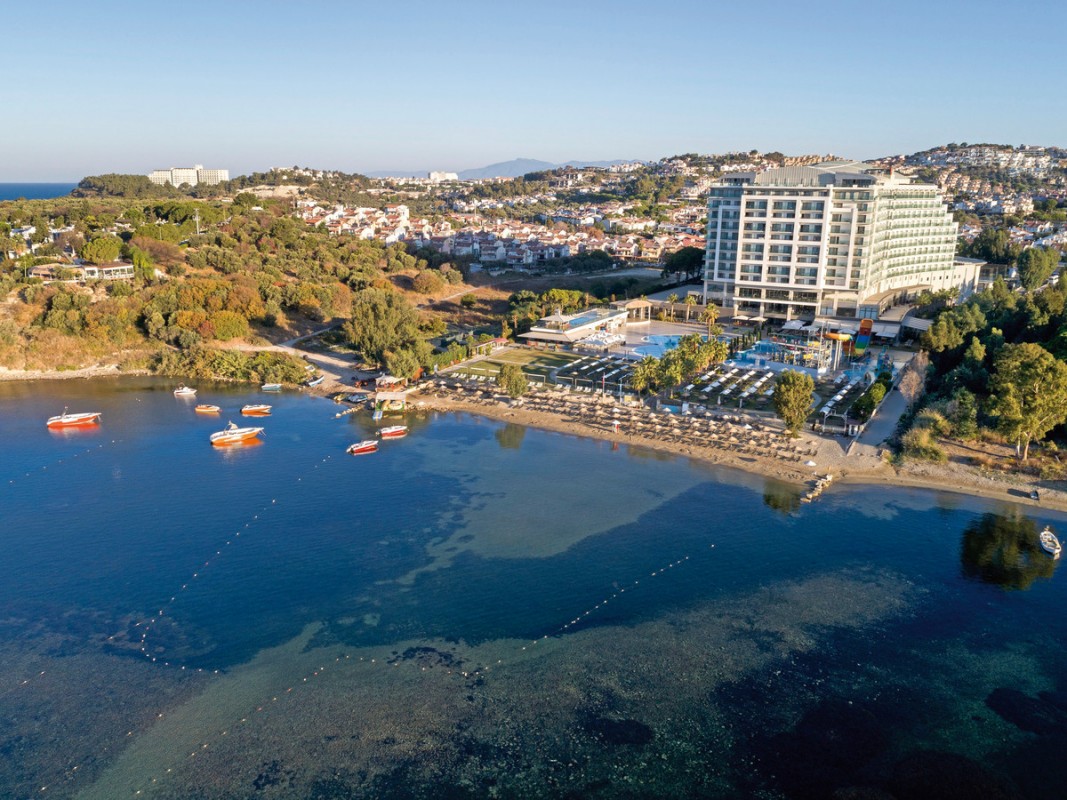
x=176, y=176
x=837, y=239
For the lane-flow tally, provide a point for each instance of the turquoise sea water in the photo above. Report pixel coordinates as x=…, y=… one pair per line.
x=481, y=609
x=34, y=191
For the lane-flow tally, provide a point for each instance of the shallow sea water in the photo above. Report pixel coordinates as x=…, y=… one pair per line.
x=485, y=610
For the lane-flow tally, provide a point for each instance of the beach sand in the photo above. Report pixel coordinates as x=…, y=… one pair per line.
x=755, y=444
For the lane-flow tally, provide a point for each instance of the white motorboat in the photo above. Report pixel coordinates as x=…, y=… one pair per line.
x=235, y=435
x=184, y=391
x=1049, y=543
x=67, y=420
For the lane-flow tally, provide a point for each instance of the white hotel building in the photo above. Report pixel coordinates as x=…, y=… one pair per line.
x=838, y=239
x=176, y=176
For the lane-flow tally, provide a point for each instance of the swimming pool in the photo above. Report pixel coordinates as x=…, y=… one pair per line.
x=659, y=343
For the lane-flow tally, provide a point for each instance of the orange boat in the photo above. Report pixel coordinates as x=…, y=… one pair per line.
x=66, y=420
x=256, y=410
x=207, y=408
x=234, y=435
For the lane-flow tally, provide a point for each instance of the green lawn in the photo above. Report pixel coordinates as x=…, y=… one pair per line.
x=535, y=363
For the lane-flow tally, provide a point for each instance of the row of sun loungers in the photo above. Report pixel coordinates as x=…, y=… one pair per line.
x=837, y=398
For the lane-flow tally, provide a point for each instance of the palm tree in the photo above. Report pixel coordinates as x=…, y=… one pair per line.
x=690, y=301
x=672, y=299
x=672, y=370
x=710, y=315
x=645, y=374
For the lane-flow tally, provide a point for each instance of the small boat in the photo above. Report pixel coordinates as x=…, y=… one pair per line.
x=184, y=391
x=234, y=435
x=367, y=446
x=207, y=408
x=316, y=381
x=81, y=419
x=256, y=410
x=271, y=387
x=394, y=432
x=1049, y=543
x=1035, y=495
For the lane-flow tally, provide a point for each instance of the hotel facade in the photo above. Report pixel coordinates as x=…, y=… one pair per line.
x=176, y=176
x=838, y=240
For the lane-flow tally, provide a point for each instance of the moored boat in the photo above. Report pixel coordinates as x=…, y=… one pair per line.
x=81, y=419
x=184, y=391
x=367, y=446
x=271, y=387
x=316, y=381
x=256, y=410
x=235, y=435
x=1049, y=543
x=207, y=408
x=394, y=432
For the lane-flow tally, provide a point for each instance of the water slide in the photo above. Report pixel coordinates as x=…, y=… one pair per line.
x=863, y=338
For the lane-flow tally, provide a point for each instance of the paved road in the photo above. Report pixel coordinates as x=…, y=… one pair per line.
x=883, y=424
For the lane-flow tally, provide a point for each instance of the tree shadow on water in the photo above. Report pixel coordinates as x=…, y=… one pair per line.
x=1003, y=549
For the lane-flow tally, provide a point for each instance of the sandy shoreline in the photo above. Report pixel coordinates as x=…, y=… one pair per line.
x=763, y=450
x=724, y=441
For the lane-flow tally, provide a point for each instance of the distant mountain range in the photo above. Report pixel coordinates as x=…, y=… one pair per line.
x=515, y=168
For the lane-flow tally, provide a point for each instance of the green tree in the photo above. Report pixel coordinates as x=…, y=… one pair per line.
x=381, y=321
x=1029, y=394
x=229, y=325
x=428, y=282
x=689, y=261
x=403, y=363
x=645, y=375
x=512, y=380
x=690, y=301
x=793, y=392
x=710, y=317
x=672, y=298
x=671, y=369
x=962, y=413
x=1036, y=265
x=102, y=250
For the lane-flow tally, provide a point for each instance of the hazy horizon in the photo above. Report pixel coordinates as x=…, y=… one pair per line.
x=451, y=87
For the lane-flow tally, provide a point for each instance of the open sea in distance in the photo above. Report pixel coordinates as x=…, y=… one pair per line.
x=485, y=610
x=34, y=191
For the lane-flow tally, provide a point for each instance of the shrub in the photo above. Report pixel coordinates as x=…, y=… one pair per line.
x=934, y=421
x=229, y=325
x=919, y=443
x=962, y=412
x=868, y=402
x=428, y=282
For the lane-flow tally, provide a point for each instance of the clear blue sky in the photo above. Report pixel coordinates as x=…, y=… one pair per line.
x=106, y=86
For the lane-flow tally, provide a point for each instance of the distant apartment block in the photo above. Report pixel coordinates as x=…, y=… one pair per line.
x=176, y=176
x=441, y=177
x=836, y=239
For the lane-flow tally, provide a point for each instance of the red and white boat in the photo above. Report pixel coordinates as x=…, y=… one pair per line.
x=79, y=420
x=394, y=432
x=207, y=408
x=256, y=410
x=234, y=435
x=184, y=391
x=367, y=446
